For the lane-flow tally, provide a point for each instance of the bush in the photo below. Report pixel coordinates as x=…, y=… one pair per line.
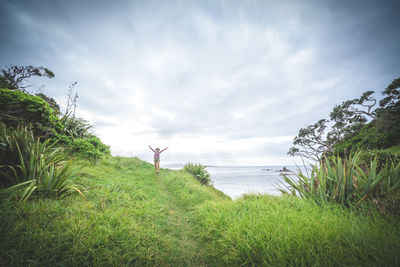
x=78, y=138
x=97, y=143
x=19, y=108
x=199, y=172
x=89, y=148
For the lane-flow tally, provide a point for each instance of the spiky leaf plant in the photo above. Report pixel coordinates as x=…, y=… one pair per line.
x=345, y=181
x=33, y=168
x=199, y=172
x=75, y=127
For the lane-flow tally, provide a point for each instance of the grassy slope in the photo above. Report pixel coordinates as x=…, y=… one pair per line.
x=135, y=217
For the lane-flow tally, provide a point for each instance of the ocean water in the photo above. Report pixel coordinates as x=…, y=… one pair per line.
x=235, y=181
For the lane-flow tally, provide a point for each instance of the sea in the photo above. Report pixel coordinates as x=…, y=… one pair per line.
x=235, y=181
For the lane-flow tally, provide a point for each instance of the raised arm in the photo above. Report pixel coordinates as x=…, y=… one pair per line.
x=164, y=149
x=151, y=148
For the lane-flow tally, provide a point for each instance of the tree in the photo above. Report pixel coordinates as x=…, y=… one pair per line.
x=311, y=142
x=15, y=77
x=392, y=95
x=350, y=116
x=347, y=119
x=388, y=114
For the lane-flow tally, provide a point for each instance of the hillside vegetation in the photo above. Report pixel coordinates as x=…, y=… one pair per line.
x=130, y=216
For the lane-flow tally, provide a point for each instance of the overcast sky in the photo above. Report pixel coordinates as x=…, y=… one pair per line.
x=219, y=82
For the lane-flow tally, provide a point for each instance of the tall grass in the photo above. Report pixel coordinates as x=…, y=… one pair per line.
x=346, y=181
x=199, y=172
x=30, y=167
x=289, y=231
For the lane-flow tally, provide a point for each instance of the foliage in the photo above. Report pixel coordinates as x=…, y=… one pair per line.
x=52, y=102
x=85, y=149
x=30, y=167
x=14, y=77
x=75, y=127
x=381, y=155
x=11, y=143
x=392, y=95
x=97, y=143
x=18, y=108
x=199, y=172
x=388, y=115
x=346, y=181
x=310, y=142
x=367, y=138
x=90, y=148
x=349, y=117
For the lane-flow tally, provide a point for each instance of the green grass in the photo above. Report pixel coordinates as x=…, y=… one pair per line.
x=134, y=217
x=286, y=231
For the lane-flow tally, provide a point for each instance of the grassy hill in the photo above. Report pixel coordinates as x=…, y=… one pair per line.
x=133, y=217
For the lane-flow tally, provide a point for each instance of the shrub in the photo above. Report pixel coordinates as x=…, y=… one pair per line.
x=78, y=138
x=32, y=168
x=199, y=172
x=97, y=143
x=89, y=148
x=19, y=108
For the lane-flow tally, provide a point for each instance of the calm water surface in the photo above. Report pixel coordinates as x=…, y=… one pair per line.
x=236, y=181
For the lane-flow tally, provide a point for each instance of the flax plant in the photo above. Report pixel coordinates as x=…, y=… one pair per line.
x=75, y=127
x=344, y=180
x=30, y=167
x=199, y=172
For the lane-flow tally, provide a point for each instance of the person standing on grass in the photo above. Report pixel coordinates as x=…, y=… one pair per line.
x=157, y=153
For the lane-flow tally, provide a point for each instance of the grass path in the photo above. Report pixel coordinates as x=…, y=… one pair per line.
x=178, y=225
x=172, y=222
x=165, y=205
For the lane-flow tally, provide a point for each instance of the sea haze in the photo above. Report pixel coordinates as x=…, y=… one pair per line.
x=235, y=181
